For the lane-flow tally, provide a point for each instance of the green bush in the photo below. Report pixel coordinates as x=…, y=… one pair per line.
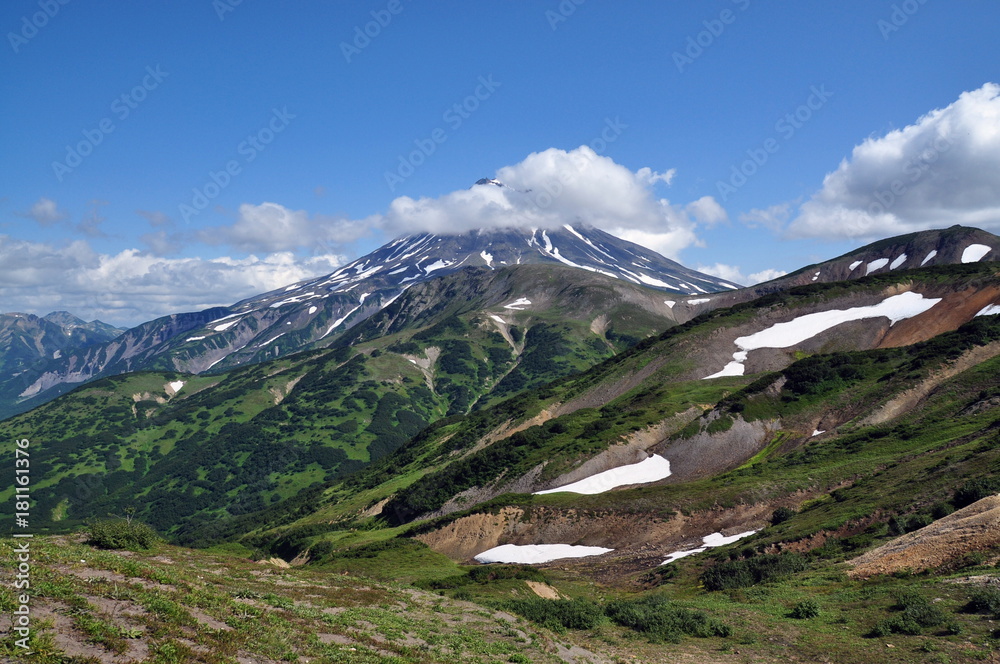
x=806, y=609
x=781, y=515
x=558, y=615
x=984, y=600
x=746, y=573
x=660, y=621
x=121, y=534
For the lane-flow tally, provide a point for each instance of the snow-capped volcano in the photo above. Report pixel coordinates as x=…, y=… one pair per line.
x=314, y=312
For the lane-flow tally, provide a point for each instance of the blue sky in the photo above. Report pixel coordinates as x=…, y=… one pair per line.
x=312, y=118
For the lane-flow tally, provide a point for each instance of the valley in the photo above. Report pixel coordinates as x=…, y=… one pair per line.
x=564, y=459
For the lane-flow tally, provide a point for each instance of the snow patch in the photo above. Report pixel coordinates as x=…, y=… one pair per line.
x=498, y=319
x=176, y=385
x=708, y=542
x=653, y=469
x=817, y=432
x=518, y=304
x=438, y=265
x=797, y=330
x=226, y=326
x=194, y=339
x=487, y=257
x=700, y=300
x=854, y=266
x=527, y=554
x=989, y=310
x=975, y=253
x=652, y=281
x=897, y=262
x=929, y=256
x=312, y=310
x=876, y=264
x=669, y=303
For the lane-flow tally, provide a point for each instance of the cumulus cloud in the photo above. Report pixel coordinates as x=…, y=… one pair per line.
x=556, y=187
x=734, y=274
x=944, y=169
x=45, y=211
x=270, y=227
x=130, y=287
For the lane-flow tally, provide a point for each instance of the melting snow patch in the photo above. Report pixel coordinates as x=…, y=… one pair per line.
x=854, y=266
x=708, y=542
x=817, y=432
x=797, y=330
x=975, y=253
x=815, y=276
x=652, y=282
x=498, y=319
x=876, y=264
x=653, y=469
x=929, y=256
x=527, y=554
x=669, y=303
x=487, y=257
x=990, y=310
x=176, y=385
x=899, y=261
x=700, y=300
x=226, y=326
x=437, y=265
x=398, y=270
x=312, y=310
x=517, y=304
x=194, y=339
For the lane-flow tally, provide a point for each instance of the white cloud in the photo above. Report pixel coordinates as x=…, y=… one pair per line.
x=773, y=218
x=651, y=177
x=131, y=287
x=45, y=211
x=734, y=274
x=271, y=227
x=555, y=187
x=942, y=170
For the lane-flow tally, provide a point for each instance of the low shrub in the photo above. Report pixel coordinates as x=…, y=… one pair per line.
x=806, y=609
x=984, y=600
x=660, y=621
x=121, y=534
x=749, y=572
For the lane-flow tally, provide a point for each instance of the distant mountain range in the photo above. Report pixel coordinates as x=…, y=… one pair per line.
x=315, y=313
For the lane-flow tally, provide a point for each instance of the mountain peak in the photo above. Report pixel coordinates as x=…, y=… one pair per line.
x=491, y=181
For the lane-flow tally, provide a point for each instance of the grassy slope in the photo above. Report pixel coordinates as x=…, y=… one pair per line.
x=235, y=443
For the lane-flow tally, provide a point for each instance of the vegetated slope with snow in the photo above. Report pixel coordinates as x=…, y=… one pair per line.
x=894, y=309
x=269, y=430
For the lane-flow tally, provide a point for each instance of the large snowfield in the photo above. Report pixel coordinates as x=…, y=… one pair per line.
x=653, y=469
x=527, y=554
x=797, y=330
